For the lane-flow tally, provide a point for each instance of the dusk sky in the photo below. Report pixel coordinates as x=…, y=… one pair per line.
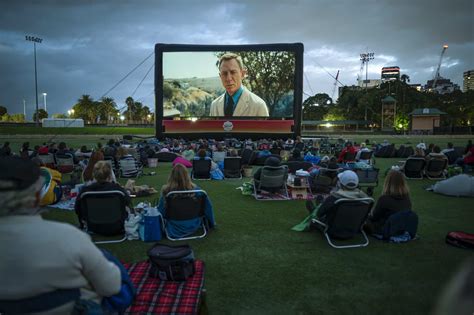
x=88, y=46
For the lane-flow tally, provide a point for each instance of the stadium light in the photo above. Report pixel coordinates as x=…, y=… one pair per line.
x=35, y=40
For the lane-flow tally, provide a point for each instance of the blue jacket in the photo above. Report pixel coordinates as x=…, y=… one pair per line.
x=178, y=229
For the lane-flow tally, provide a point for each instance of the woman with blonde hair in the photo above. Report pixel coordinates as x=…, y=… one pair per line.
x=395, y=197
x=179, y=180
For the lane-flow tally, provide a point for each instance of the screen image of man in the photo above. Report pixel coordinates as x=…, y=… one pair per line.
x=237, y=100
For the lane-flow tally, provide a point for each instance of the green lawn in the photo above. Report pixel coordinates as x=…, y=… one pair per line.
x=255, y=264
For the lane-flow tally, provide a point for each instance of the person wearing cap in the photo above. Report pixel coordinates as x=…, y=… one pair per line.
x=41, y=258
x=347, y=187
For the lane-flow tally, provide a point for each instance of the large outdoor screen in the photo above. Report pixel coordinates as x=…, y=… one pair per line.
x=228, y=90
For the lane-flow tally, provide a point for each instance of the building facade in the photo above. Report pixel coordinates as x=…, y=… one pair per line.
x=390, y=73
x=468, y=82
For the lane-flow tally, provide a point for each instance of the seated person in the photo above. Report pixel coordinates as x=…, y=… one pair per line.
x=40, y=256
x=436, y=154
x=216, y=173
x=296, y=156
x=347, y=187
x=349, y=148
x=467, y=159
x=395, y=197
x=5, y=150
x=363, y=148
x=270, y=161
x=179, y=180
x=102, y=173
x=87, y=175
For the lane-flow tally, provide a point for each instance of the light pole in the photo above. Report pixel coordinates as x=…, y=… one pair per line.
x=44, y=101
x=35, y=40
x=365, y=58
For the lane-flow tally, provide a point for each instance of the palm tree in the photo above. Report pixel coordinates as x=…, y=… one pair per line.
x=85, y=108
x=130, y=107
x=107, y=108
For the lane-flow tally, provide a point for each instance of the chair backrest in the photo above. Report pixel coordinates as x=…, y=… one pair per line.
x=293, y=166
x=367, y=175
x=232, y=167
x=321, y=183
x=104, y=211
x=273, y=176
x=436, y=165
x=185, y=205
x=349, y=156
x=47, y=160
x=348, y=217
x=165, y=156
x=129, y=167
x=414, y=166
x=65, y=163
x=202, y=169
x=365, y=155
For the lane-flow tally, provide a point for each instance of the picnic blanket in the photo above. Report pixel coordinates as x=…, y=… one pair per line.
x=66, y=204
x=155, y=296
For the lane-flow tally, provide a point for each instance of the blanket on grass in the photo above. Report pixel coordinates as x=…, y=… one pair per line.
x=155, y=296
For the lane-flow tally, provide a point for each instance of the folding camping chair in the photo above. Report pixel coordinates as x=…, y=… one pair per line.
x=435, y=168
x=129, y=167
x=47, y=160
x=368, y=178
x=346, y=221
x=413, y=167
x=367, y=156
x=165, y=156
x=232, y=167
x=271, y=178
x=65, y=163
x=182, y=206
x=201, y=169
x=104, y=213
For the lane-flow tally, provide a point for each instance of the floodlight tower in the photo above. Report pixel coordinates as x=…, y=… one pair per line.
x=35, y=40
x=365, y=58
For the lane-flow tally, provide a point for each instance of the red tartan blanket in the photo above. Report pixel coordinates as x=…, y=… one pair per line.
x=155, y=296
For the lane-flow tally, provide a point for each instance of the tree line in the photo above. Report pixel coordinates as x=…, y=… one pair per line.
x=104, y=110
x=358, y=104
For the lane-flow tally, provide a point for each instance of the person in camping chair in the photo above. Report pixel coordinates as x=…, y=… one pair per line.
x=179, y=180
x=347, y=187
x=42, y=258
x=270, y=161
x=103, y=181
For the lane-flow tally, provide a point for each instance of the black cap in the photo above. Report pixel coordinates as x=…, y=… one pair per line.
x=22, y=172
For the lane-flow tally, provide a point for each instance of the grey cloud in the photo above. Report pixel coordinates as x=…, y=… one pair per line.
x=89, y=45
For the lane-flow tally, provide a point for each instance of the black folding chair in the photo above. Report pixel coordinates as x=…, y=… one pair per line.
x=346, y=221
x=232, y=167
x=104, y=213
x=272, y=179
x=182, y=206
x=435, y=168
x=201, y=169
x=413, y=167
x=293, y=166
x=165, y=156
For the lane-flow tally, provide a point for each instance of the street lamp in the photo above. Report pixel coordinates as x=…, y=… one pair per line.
x=44, y=101
x=35, y=40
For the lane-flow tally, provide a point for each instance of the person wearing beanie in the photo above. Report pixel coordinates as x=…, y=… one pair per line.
x=41, y=259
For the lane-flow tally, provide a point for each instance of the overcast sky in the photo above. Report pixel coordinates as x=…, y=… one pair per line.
x=88, y=46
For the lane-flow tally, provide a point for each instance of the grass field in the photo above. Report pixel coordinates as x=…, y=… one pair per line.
x=255, y=264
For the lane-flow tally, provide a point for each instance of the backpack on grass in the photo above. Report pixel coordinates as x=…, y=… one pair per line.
x=171, y=263
x=460, y=239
